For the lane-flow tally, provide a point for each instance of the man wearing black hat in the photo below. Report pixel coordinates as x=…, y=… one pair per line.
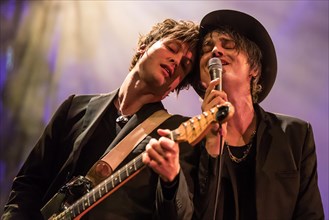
x=266, y=162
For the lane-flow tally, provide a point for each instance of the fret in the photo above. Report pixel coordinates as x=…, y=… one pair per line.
x=127, y=170
x=73, y=213
x=70, y=212
x=93, y=192
x=74, y=209
x=131, y=169
x=87, y=202
x=116, y=180
x=99, y=191
x=105, y=182
x=122, y=175
x=119, y=176
x=83, y=204
x=139, y=162
x=112, y=181
x=96, y=194
x=134, y=163
x=103, y=191
x=78, y=211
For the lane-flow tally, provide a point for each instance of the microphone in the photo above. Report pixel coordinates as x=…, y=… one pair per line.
x=215, y=70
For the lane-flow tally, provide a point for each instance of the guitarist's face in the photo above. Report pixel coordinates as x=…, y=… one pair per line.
x=164, y=65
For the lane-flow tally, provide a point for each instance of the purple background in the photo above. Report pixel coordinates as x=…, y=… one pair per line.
x=51, y=49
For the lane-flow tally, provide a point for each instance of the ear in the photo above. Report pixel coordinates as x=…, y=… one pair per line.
x=141, y=50
x=253, y=73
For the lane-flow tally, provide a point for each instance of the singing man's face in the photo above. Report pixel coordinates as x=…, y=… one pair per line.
x=236, y=69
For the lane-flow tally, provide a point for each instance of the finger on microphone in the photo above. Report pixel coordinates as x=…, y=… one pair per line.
x=214, y=83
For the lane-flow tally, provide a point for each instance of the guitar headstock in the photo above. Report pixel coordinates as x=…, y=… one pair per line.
x=194, y=129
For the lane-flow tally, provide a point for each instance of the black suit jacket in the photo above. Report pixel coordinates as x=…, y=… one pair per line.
x=53, y=161
x=286, y=172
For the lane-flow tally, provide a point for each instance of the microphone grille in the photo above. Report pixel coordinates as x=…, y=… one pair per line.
x=214, y=63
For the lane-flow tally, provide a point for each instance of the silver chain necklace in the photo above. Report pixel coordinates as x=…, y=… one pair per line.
x=245, y=153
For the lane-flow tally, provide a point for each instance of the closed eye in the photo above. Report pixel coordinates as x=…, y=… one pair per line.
x=228, y=44
x=207, y=46
x=173, y=47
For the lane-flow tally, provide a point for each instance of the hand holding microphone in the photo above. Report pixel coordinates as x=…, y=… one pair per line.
x=210, y=98
x=214, y=140
x=215, y=70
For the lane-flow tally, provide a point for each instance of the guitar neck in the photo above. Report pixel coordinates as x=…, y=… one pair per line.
x=102, y=190
x=98, y=193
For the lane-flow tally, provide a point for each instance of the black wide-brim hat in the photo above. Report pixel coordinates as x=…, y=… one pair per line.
x=252, y=29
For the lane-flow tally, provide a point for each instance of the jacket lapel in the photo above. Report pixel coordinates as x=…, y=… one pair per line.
x=274, y=156
x=96, y=108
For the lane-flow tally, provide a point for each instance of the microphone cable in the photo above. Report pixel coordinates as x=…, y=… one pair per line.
x=219, y=165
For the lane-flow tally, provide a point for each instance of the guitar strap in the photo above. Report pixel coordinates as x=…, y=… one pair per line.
x=104, y=167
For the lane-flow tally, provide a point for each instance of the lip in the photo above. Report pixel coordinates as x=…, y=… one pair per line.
x=224, y=62
x=169, y=71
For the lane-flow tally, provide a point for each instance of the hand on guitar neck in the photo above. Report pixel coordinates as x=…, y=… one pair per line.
x=163, y=155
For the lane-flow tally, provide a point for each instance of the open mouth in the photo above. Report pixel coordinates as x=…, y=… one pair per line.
x=224, y=62
x=167, y=69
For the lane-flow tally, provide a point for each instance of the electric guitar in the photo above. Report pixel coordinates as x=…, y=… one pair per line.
x=191, y=131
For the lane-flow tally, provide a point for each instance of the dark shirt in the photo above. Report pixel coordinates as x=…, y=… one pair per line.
x=238, y=184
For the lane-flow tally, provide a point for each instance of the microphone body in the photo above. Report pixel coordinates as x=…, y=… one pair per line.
x=216, y=71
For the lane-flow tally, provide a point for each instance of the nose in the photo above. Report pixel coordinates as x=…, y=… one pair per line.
x=174, y=61
x=217, y=51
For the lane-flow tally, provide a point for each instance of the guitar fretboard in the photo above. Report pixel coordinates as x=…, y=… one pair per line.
x=101, y=190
